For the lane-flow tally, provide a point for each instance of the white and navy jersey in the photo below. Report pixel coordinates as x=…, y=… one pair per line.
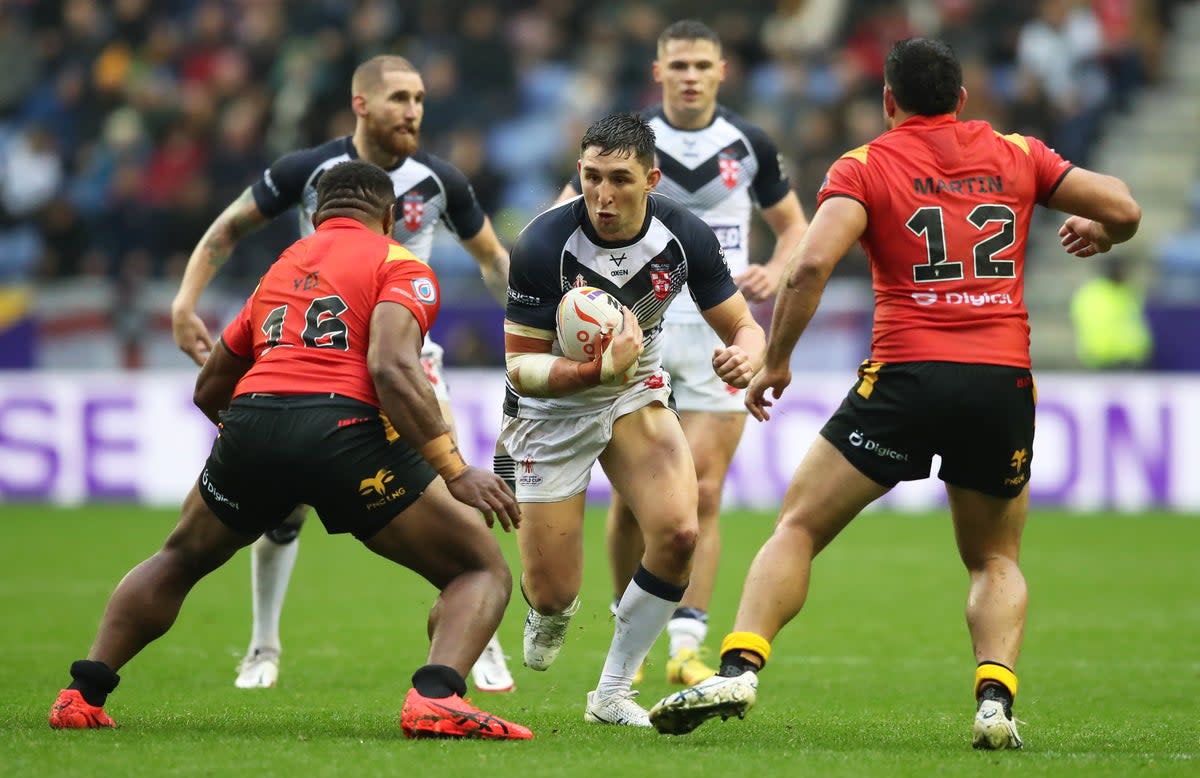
x=719, y=173
x=428, y=189
x=560, y=249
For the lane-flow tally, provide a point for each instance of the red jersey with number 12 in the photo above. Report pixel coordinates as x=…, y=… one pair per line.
x=307, y=325
x=949, y=205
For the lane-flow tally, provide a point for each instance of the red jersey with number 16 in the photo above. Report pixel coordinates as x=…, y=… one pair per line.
x=308, y=324
x=949, y=206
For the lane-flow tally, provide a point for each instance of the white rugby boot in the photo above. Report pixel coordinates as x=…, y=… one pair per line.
x=490, y=672
x=616, y=708
x=720, y=695
x=995, y=728
x=259, y=669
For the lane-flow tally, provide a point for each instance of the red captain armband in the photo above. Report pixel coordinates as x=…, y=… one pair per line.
x=443, y=455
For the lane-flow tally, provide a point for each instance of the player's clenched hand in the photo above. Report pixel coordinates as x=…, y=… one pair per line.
x=487, y=492
x=191, y=335
x=733, y=366
x=756, y=396
x=618, y=353
x=758, y=283
x=1083, y=237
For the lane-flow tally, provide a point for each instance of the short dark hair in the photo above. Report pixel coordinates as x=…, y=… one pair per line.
x=622, y=132
x=924, y=75
x=688, y=30
x=354, y=189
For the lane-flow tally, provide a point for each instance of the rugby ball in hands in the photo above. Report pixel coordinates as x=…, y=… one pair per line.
x=583, y=313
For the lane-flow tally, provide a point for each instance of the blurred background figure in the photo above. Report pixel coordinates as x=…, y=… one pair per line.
x=1109, y=315
x=1172, y=309
x=1178, y=257
x=1059, y=50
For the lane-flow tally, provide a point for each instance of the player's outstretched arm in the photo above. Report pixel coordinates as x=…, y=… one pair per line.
x=838, y=223
x=239, y=219
x=1103, y=212
x=393, y=359
x=492, y=258
x=787, y=221
x=745, y=343
x=218, y=378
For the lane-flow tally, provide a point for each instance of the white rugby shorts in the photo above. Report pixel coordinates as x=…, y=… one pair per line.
x=687, y=355
x=553, y=457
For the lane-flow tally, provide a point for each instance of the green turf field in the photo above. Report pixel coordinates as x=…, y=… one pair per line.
x=874, y=678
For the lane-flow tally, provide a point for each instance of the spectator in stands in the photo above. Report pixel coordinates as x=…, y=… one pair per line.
x=30, y=175
x=1060, y=50
x=1179, y=258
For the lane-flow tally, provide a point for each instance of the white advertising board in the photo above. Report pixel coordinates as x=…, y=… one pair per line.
x=1103, y=441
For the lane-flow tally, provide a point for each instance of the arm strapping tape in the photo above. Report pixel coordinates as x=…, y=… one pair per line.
x=529, y=371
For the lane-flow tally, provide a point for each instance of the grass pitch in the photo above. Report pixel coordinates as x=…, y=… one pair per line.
x=874, y=678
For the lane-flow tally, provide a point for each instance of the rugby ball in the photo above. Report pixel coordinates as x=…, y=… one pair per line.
x=583, y=313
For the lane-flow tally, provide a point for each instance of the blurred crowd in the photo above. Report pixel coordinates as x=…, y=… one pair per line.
x=127, y=125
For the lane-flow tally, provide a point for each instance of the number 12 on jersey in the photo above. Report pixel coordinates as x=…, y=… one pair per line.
x=929, y=221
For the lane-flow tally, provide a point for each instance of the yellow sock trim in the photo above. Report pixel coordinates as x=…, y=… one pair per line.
x=990, y=671
x=747, y=641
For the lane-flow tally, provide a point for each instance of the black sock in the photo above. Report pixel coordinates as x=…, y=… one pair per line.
x=94, y=680
x=691, y=613
x=997, y=691
x=438, y=681
x=734, y=664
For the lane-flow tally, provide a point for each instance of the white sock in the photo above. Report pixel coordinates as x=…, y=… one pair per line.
x=270, y=569
x=640, y=619
x=686, y=632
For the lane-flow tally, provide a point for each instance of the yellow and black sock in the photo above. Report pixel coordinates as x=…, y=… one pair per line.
x=994, y=681
x=733, y=650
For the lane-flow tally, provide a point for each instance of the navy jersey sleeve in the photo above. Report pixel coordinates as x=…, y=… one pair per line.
x=282, y=184
x=770, y=185
x=534, y=277
x=708, y=281
x=463, y=215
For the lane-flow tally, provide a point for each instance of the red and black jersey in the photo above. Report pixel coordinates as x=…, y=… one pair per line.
x=307, y=325
x=949, y=205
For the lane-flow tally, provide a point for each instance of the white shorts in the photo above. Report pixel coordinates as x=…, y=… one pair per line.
x=431, y=361
x=553, y=457
x=687, y=355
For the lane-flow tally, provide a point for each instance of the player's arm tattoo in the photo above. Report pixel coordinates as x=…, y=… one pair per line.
x=238, y=220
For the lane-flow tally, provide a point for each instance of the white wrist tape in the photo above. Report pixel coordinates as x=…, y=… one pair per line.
x=608, y=372
x=529, y=371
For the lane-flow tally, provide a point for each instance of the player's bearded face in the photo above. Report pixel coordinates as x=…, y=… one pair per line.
x=395, y=112
x=615, y=187
x=691, y=72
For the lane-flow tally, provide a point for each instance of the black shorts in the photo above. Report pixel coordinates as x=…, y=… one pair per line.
x=977, y=418
x=333, y=453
